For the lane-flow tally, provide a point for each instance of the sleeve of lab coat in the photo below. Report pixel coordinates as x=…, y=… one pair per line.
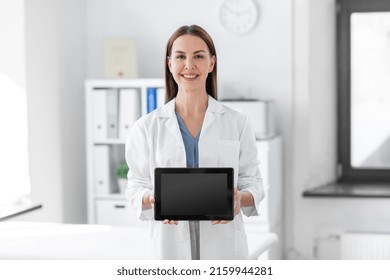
x=139, y=181
x=249, y=178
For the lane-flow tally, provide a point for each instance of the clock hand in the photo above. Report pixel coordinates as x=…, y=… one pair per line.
x=234, y=12
x=244, y=12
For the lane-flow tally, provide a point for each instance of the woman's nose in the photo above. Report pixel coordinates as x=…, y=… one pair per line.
x=189, y=64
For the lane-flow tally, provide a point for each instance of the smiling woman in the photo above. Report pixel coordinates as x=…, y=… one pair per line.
x=193, y=130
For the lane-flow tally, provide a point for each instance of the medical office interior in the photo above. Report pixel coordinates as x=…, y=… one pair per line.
x=53, y=59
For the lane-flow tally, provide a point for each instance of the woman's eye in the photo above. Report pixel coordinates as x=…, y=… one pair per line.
x=180, y=57
x=199, y=56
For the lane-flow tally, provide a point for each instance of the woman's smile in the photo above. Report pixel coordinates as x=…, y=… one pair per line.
x=190, y=77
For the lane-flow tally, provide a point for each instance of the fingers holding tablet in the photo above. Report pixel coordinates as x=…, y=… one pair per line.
x=222, y=222
x=148, y=201
x=237, y=201
x=237, y=207
x=169, y=222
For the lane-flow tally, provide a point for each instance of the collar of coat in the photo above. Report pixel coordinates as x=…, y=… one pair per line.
x=169, y=109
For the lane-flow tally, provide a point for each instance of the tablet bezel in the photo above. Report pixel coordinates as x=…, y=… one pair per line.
x=229, y=215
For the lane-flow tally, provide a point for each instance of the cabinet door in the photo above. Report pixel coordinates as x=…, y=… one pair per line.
x=269, y=155
x=117, y=213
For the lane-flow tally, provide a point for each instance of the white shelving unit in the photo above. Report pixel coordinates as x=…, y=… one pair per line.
x=110, y=207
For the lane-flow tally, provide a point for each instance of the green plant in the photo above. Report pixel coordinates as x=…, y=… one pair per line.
x=122, y=170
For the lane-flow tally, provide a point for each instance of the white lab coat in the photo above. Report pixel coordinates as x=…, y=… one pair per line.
x=226, y=140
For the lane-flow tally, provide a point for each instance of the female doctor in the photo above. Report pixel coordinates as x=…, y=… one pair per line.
x=193, y=130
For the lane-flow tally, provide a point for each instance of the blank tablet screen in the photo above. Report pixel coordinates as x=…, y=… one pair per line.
x=194, y=193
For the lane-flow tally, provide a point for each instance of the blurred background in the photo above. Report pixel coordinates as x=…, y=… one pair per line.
x=48, y=49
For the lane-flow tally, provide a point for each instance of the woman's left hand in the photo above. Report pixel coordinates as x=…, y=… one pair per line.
x=237, y=201
x=237, y=207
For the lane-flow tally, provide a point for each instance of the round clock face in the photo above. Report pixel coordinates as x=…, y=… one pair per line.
x=239, y=16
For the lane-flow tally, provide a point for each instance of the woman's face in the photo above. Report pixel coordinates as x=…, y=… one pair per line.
x=190, y=62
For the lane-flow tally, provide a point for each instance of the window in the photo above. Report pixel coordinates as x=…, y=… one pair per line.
x=364, y=90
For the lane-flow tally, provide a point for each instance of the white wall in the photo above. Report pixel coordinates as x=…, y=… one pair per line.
x=314, y=160
x=55, y=70
x=12, y=49
x=72, y=109
x=14, y=174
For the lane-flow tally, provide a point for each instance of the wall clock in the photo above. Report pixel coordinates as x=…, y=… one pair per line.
x=239, y=16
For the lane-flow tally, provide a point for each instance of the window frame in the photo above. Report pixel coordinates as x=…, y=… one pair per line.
x=346, y=172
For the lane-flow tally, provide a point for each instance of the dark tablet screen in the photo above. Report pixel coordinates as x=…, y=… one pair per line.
x=194, y=193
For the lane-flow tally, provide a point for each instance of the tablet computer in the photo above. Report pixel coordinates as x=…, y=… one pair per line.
x=193, y=194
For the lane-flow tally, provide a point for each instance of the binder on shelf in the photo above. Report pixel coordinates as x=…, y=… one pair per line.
x=101, y=172
x=112, y=113
x=99, y=114
x=129, y=110
x=151, y=99
x=144, y=102
x=160, y=97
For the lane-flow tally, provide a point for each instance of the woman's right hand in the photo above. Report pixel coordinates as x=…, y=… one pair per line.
x=148, y=202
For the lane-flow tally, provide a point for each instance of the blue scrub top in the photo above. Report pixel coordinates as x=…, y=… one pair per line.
x=190, y=144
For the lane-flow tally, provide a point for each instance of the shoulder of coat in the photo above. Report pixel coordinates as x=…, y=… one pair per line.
x=146, y=120
x=234, y=113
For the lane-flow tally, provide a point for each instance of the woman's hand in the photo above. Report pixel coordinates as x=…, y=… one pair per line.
x=148, y=202
x=237, y=201
x=237, y=207
x=169, y=222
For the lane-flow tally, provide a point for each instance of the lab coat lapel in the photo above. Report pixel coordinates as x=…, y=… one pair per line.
x=168, y=112
x=209, y=135
x=213, y=107
x=208, y=120
x=173, y=127
x=167, y=118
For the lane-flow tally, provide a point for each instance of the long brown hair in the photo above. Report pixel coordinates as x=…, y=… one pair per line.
x=171, y=87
